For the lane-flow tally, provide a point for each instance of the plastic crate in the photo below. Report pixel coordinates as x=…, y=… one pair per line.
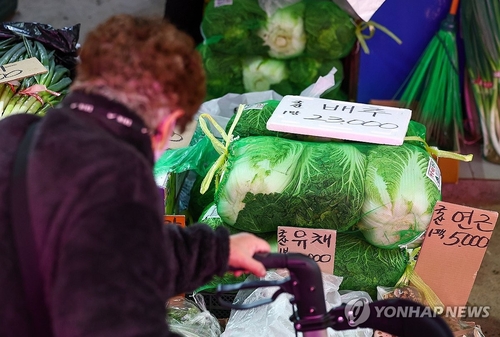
x=215, y=307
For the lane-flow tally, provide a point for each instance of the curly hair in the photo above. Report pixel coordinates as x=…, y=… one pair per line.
x=146, y=64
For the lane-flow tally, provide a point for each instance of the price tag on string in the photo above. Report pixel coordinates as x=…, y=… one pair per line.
x=341, y=120
x=453, y=249
x=318, y=244
x=19, y=70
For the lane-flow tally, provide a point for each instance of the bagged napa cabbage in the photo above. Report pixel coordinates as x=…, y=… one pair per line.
x=363, y=266
x=233, y=28
x=330, y=30
x=402, y=186
x=229, y=73
x=271, y=181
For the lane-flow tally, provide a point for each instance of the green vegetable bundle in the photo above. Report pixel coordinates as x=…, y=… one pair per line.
x=313, y=28
x=34, y=94
x=233, y=29
x=273, y=178
x=228, y=73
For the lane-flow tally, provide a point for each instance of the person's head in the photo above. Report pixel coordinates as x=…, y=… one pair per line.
x=146, y=64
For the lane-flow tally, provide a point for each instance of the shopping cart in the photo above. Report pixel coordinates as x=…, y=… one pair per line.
x=310, y=316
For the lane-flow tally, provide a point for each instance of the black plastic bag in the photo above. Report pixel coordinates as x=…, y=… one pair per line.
x=63, y=41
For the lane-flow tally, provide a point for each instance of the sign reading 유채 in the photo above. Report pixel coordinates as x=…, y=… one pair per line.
x=453, y=249
x=21, y=69
x=318, y=244
x=341, y=120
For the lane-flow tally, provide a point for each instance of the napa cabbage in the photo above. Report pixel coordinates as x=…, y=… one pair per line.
x=272, y=181
x=331, y=32
x=233, y=28
x=402, y=186
x=284, y=32
x=260, y=73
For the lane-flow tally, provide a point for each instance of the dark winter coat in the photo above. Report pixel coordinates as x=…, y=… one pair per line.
x=108, y=262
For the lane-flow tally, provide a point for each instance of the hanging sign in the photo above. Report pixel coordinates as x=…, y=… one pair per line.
x=342, y=120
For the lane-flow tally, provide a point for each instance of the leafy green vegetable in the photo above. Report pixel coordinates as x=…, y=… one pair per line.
x=260, y=73
x=284, y=32
x=271, y=181
x=330, y=30
x=364, y=266
x=224, y=72
x=400, y=194
x=239, y=74
x=233, y=29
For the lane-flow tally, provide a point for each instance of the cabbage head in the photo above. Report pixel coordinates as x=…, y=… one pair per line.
x=284, y=32
x=260, y=73
x=272, y=181
x=330, y=30
x=224, y=72
x=233, y=28
x=400, y=194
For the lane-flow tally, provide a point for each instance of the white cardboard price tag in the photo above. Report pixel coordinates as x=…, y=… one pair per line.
x=342, y=120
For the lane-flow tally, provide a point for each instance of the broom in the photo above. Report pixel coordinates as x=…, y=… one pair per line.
x=432, y=89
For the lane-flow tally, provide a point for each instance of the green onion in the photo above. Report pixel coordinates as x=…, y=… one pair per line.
x=481, y=32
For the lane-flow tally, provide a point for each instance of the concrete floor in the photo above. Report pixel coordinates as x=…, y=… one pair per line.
x=470, y=191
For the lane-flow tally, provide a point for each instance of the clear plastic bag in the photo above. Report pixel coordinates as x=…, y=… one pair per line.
x=190, y=318
x=273, y=320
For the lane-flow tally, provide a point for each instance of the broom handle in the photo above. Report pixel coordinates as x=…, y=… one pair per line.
x=454, y=7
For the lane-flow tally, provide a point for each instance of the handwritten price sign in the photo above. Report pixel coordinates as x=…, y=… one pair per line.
x=342, y=120
x=318, y=244
x=18, y=70
x=453, y=249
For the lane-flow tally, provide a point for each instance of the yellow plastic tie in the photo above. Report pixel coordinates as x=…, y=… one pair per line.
x=405, y=278
x=440, y=153
x=410, y=277
x=371, y=26
x=221, y=148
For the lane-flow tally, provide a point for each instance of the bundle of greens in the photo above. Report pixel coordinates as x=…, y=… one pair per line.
x=233, y=28
x=314, y=28
x=272, y=181
x=364, y=266
x=270, y=173
x=34, y=94
x=481, y=31
x=330, y=30
x=228, y=73
x=224, y=72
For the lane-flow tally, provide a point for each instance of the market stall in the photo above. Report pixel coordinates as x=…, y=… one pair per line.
x=280, y=149
x=271, y=155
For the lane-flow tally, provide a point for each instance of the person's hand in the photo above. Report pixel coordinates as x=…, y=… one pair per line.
x=242, y=247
